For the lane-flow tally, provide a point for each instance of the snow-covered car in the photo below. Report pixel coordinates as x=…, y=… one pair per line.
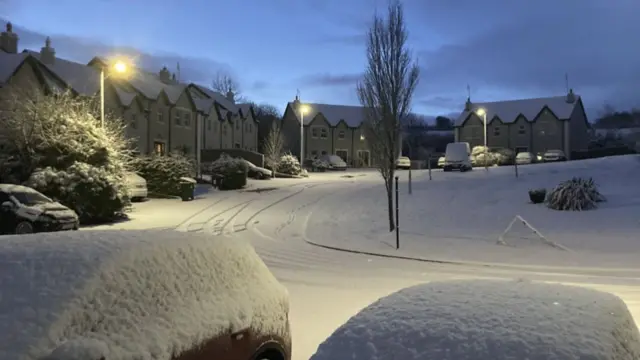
x=136, y=186
x=132, y=294
x=488, y=320
x=554, y=155
x=441, y=161
x=24, y=210
x=524, y=158
x=257, y=172
x=335, y=162
x=403, y=162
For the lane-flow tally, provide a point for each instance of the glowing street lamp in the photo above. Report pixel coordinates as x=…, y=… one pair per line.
x=303, y=110
x=483, y=113
x=118, y=67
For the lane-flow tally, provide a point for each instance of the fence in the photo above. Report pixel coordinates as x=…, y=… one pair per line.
x=602, y=152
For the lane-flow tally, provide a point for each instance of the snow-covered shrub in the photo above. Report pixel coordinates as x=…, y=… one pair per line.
x=537, y=196
x=575, y=194
x=289, y=165
x=63, y=133
x=95, y=193
x=503, y=156
x=164, y=173
x=320, y=164
x=234, y=172
x=477, y=150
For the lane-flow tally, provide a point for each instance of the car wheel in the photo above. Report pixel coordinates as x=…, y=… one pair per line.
x=24, y=227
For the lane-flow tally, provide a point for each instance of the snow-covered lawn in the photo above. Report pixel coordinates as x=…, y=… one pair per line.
x=460, y=216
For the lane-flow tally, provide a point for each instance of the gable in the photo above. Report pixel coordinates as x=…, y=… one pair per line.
x=318, y=120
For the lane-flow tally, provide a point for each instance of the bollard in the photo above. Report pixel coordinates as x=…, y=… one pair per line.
x=410, y=181
x=397, y=216
x=429, y=163
x=515, y=164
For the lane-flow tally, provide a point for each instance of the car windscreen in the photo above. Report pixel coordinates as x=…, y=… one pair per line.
x=30, y=198
x=523, y=155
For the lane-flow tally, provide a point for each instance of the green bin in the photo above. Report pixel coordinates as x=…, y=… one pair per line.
x=187, y=189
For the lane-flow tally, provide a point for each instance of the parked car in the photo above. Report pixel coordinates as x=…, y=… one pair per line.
x=256, y=172
x=457, y=157
x=139, y=294
x=554, y=155
x=403, y=162
x=136, y=186
x=335, y=162
x=525, y=158
x=24, y=210
x=441, y=161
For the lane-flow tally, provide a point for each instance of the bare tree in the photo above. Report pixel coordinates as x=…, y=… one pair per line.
x=414, y=133
x=273, y=147
x=224, y=83
x=386, y=92
x=265, y=110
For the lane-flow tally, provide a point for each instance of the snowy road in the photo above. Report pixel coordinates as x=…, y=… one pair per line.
x=329, y=286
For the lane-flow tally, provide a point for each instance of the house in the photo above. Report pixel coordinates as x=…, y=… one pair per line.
x=327, y=129
x=534, y=125
x=161, y=114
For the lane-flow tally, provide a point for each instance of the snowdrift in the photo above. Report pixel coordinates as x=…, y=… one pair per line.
x=488, y=320
x=130, y=294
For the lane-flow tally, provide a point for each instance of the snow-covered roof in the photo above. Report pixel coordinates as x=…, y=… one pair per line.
x=130, y=294
x=245, y=109
x=219, y=98
x=488, y=320
x=509, y=110
x=9, y=63
x=351, y=115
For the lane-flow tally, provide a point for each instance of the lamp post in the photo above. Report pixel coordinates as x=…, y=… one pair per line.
x=303, y=109
x=482, y=112
x=119, y=67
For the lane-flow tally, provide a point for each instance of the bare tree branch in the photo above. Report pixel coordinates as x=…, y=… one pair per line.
x=225, y=83
x=273, y=147
x=386, y=91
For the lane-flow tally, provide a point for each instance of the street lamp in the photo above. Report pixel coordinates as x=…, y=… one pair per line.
x=118, y=67
x=482, y=112
x=303, y=109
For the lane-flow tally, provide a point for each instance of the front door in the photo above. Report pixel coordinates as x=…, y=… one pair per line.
x=364, y=158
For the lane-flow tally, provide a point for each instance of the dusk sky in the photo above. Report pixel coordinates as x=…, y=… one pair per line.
x=504, y=49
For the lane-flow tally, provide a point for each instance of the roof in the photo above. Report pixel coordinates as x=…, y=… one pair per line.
x=488, y=320
x=9, y=63
x=351, y=115
x=219, y=98
x=508, y=111
x=99, y=291
x=246, y=109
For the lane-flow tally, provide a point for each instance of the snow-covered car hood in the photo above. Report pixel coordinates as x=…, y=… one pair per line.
x=488, y=320
x=54, y=209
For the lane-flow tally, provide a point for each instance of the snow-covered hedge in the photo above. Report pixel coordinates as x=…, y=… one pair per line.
x=320, y=164
x=54, y=141
x=164, y=173
x=289, y=165
x=233, y=170
x=575, y=194
x=537, y=196
x=95, y=193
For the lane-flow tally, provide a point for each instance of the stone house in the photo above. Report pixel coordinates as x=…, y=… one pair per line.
x=534, y=125
x=327, y=129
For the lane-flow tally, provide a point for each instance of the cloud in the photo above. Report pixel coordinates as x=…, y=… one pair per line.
x=197, y=70
x=331, y=80
x=511, y=51
x=259, y=85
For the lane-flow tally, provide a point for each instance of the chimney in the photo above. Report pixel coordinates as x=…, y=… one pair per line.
x=9, y=40
x=47, y=53
x=173, y=77
x=231, y=96
x=571, y=97
x=467, y=104
x=296, y=102
x=165, y=75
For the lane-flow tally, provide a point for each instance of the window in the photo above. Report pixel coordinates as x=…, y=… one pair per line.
x=314, y=152
x=324, y=133
x=134, y=121
x=344, y=154
x=177, y=118
x=160, y=117
x=209, y=125
x=324, y=152
x=237, y=145
x=159, y=148
x=224, y=129
x=187, y=119
x=315, y=132
x=496, y=131
x=237, y=124
x=341, y=134
x=250, y=128
x=521, y=130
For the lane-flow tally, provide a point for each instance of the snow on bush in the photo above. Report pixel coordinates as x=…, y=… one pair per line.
x=320, y=164
x=164, y=173
x=94, y=193
x=61, y=133
x=576, y=194
x=233, y=170
x=477, y=150
x=131, y=294
x=289, y=165
x=488, y=320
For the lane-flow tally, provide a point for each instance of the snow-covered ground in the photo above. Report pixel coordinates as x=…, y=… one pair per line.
x=327, y=286
x=460, y=216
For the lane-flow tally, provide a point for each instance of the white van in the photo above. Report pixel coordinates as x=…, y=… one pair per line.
x=457, y=157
